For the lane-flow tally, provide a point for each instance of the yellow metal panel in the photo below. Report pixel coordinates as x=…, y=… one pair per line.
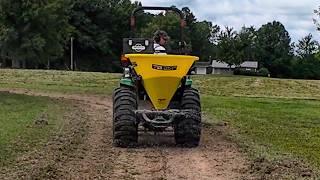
x=161, y=74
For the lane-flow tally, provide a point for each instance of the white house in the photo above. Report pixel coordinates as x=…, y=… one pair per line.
x=216, y=67
x=203, y=67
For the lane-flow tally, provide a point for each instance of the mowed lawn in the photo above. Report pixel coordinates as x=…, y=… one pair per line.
x=271, y=128
x=271, y=118
x=246, y=86
x=25, y=122
x=59, y=81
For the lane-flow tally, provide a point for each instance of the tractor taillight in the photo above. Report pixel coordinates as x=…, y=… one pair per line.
x=125, y=62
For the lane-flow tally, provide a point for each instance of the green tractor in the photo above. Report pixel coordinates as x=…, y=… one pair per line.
x=155, y=92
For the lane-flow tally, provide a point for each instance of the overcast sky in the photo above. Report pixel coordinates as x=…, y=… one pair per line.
x=296, y=15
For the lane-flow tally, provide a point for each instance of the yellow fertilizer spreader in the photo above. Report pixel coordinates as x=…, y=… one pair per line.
x=155, y=92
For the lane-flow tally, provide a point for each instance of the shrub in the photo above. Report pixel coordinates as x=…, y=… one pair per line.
x=244, y=72
x=263, y=72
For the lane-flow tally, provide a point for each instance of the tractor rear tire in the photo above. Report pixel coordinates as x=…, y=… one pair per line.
x=187, y=131
x=125, y=126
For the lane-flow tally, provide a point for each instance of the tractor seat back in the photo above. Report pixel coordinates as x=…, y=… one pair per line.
x=137, y=46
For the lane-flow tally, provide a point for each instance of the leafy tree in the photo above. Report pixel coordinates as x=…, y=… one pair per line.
x=308, y=60
x=202, y=35
x=35, y=31
x=316, y=21
x=307, y=47
x=317, y=56
x=307, y=69
x=37, y=34
x=168, y=22
x=226, y=48
x=234, y=48
x=189, y=16
x=274, y=51
x=100, y=27
x=245, y=43
x=198, y=35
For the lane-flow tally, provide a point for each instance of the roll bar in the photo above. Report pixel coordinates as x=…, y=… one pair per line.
x=174, y=9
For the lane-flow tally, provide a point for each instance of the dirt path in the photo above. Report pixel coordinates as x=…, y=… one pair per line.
x=155, y=158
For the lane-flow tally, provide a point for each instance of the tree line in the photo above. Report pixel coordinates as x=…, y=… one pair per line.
x=37, y=33
x=272, y=47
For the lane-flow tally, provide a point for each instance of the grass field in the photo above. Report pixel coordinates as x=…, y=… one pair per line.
x=104, y=83
x=59, y=81
x=271, y=128
x=24, y=122
x=273, y=118
x=245, y=86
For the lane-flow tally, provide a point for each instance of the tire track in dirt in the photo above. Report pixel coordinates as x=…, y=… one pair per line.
x=157, y=157
x=214, y=158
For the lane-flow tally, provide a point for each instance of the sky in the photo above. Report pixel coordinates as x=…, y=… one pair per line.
x=296, y=15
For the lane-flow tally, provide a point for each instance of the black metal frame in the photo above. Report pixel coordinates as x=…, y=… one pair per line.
x=163, y=119
x=174, y=9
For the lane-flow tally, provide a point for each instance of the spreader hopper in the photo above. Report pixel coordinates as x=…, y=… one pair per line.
x=161, y=74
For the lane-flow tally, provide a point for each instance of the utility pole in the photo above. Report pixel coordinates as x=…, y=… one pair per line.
x=71, y=63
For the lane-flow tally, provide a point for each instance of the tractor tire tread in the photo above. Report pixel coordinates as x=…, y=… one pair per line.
x=125, y=127
x=187, y=131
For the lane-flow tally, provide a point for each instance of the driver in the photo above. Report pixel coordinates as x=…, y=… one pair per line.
x=160, y=39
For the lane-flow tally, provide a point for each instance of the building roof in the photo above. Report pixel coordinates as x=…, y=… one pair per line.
x=249, y=64
x=203, y=64
x=246, y=64
x=223, y=65
x=217, y=64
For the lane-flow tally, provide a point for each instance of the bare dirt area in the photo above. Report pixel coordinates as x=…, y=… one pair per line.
x=85, y=151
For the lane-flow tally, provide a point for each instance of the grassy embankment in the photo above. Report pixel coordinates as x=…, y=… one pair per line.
x=273, y=118
x=26, y=122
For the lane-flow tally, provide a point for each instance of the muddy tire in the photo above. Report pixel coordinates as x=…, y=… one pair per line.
x=125, y=126
x=187, y=131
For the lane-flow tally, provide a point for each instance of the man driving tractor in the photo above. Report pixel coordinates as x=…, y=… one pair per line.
x=160, y=39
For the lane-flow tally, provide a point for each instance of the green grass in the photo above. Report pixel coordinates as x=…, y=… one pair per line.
x=273, y=128
x=246, y=86
x=274, y=118
x=104, y=83
x=59, y=81
x=19, y=132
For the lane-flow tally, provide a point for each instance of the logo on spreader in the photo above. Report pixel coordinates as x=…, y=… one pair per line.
x=161, y=100
x=138, y=47
x=164, y=68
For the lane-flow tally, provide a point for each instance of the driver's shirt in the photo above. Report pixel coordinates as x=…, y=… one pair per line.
x=158, y=49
